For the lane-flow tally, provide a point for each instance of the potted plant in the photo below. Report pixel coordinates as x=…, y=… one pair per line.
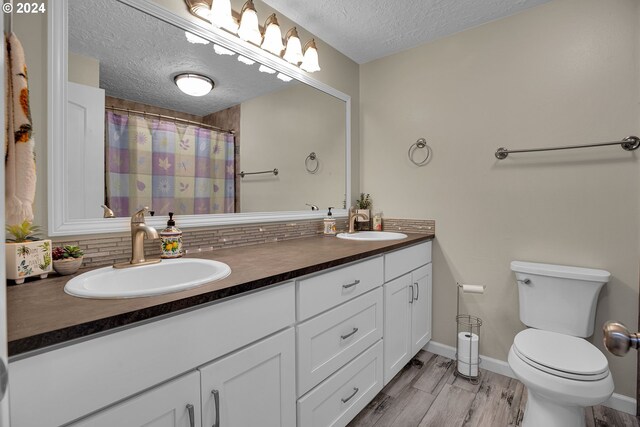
x=26, y=254
x=363, y=206
x=67, y=259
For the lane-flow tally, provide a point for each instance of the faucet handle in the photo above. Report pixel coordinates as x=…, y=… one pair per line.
x=139, y=216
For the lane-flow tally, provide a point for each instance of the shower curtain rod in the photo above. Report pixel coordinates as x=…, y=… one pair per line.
x=175, y=119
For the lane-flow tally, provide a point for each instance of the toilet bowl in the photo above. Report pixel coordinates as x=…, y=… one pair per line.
x=563, y=373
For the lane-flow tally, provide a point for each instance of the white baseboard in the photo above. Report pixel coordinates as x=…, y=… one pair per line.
x=619, y=402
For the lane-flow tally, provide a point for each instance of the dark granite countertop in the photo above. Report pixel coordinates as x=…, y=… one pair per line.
x=41, y=314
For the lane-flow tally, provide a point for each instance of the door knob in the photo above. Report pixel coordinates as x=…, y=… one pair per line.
x=617, y=338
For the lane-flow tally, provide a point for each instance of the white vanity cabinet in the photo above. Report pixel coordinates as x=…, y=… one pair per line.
x=407, y=306
x=339, y=342
x=68, y=383
x=174, y=404
x=253, y=387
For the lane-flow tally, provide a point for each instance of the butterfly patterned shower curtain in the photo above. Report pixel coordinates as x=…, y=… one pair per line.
x=169, y=167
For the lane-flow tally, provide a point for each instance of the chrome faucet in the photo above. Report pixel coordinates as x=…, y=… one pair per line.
x=352, y=219
x=139, y=229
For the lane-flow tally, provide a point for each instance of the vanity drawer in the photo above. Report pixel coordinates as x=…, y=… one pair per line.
x=327, y=342
x=338, y=400
x=405, y=260
x=319, y=293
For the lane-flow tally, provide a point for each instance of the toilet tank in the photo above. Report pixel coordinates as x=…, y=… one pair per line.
x=559, y=298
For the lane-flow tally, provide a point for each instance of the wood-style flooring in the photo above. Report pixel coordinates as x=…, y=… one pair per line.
x=427, y=393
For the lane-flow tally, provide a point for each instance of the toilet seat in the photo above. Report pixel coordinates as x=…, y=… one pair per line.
x=561, y=355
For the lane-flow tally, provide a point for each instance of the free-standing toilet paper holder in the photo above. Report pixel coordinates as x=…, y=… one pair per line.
x=468, y=338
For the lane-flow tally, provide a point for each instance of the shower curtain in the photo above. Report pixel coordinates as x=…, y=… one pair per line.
x=169, y=167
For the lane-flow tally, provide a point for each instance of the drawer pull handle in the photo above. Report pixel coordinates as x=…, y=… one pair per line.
x=216, y=403
x=412, y=296
x=417, y=290
x=355, y=391
x=351, y=285
x=192, y=419
x=344, y=337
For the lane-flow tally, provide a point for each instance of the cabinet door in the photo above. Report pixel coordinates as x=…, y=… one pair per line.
x=253, y=387
x=397, y=325
x=174, y=404
x=421, y=308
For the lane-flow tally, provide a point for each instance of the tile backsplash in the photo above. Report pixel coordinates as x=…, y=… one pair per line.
x=105, y=249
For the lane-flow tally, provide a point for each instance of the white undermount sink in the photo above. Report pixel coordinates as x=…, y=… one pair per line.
x=170, y=275
x=372, y=236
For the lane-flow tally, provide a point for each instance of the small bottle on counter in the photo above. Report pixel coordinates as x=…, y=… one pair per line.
x=377, y=221
x=329, y=224
x=171, y=240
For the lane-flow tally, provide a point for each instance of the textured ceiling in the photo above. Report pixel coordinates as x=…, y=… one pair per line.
x=140, y=55
x=365, y=30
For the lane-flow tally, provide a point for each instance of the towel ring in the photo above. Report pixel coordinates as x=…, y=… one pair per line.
x=311, y=158
x=421, y=143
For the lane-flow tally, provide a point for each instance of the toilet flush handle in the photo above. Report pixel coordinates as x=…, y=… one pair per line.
x=617, y=338
x=525, y=281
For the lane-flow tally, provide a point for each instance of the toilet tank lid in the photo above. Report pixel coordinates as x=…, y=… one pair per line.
x=564, y=271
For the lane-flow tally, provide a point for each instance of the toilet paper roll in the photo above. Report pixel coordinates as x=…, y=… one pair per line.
x=468, y=369
x=473, y=289
x=468, y=353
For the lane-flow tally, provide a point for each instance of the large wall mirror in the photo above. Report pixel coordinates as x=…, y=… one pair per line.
x=265, y=144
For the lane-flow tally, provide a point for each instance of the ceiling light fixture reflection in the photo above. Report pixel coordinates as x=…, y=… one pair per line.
x=193, y=84
x=272, y=41
x=249, y=27
x=293, y=52
x=246, y=60
x=265, y=69
x=222, y=50
x=192, y=38
x=221, y=15
x=284, y=77
x=310, y=60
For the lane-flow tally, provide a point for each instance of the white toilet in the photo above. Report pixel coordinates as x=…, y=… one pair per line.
x=563, y=372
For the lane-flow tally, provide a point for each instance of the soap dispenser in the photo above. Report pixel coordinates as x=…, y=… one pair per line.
x=171, y=240
x=329, y=224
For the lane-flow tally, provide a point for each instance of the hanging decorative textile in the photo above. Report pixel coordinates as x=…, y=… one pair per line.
x=20, y=163
x=169, y=167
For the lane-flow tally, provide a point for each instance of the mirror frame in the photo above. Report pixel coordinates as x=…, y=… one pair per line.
x=59, y=223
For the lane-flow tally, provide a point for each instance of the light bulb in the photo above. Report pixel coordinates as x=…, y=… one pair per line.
x=221, y=15
x=293, y=53
x=272, y=41
x=249, y=27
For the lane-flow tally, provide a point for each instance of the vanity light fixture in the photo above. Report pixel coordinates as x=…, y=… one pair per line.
x=272, y=41
x=265, y=69
x=284, y=77
x=222, y=50
x=221, y=15
x=192, y=38
x=310, y=61
x=293, y=52
x=193, y=84
x=249, y=27
x=246, y=60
